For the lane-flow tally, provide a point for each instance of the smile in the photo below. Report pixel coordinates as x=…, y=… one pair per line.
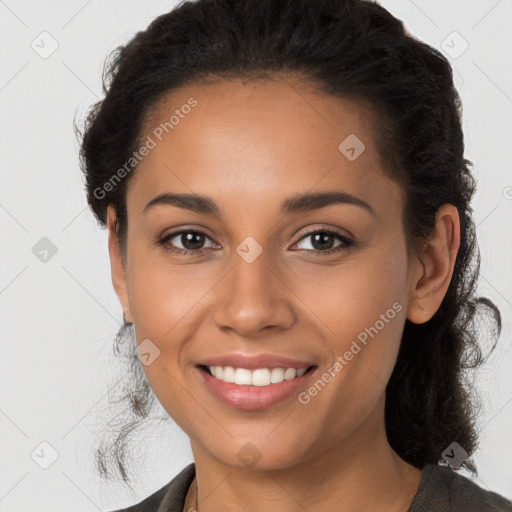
x=236, y=388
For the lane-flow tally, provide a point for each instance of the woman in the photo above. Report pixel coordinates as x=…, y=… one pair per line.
x=291, y=239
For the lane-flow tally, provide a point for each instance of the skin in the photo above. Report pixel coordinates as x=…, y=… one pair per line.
x=250, y=146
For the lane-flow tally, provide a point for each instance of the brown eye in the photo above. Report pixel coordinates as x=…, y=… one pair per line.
x=191, y=240
x=323, y=241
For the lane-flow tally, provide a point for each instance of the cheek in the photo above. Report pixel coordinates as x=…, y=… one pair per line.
x=166, y=302
x=172, y=392
x=361, y=307
x=352, y=295
x=161, y=294
x=162, y=300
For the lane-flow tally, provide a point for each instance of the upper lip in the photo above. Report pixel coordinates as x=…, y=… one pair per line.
x=253, y=362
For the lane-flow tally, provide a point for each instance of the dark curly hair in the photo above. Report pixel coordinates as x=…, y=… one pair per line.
x=351, y=49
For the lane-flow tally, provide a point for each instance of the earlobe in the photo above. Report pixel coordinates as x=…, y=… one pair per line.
x=435, y=266
x=116, y=264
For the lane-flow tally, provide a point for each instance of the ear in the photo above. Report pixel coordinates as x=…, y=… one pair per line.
x=434, y=266
x=117, y=266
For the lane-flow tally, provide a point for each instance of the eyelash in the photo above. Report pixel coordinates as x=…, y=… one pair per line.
x=346, y=242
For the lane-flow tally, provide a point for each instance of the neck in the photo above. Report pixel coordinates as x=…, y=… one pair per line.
x=191, y=498
x=361, y=473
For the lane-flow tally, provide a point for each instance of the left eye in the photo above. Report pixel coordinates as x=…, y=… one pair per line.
x=323, y=240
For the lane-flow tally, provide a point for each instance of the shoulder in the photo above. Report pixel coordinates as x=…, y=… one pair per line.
x=170, y=497
x=442, y=489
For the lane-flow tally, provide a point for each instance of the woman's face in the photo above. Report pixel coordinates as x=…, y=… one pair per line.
x=266, y=279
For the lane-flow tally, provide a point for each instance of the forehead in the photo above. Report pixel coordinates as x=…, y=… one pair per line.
x=245, y=140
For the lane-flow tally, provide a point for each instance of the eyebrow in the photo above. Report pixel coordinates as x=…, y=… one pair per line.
x=298, y=203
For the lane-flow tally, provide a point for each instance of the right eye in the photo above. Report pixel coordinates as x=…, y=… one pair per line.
x=190, y=239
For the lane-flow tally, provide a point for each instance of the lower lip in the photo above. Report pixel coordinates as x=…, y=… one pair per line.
x=253, y=398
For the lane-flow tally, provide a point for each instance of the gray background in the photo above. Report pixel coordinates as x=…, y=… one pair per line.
x=58, y=317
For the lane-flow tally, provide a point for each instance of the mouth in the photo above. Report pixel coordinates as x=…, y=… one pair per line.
x=254, y=389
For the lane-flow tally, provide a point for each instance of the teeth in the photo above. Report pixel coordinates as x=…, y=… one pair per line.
x=259, y=377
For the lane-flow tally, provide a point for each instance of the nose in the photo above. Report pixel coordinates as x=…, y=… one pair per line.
x=254, y=298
